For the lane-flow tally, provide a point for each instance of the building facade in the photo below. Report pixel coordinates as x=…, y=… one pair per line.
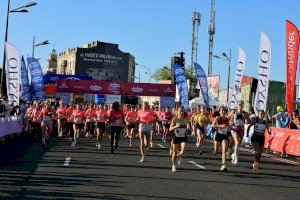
x=52, y=62
x=100, y=60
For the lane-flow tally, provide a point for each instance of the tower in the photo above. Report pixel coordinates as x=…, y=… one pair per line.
x=211, y=32
x=196, y=19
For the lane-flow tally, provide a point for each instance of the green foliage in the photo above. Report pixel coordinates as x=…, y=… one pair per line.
x=163, y=73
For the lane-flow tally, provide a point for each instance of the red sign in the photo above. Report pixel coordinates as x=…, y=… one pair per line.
x=284, y=141
x=292, y=49
x=117, y=88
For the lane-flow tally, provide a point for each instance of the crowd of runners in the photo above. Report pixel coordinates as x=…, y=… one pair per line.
x=173, y=126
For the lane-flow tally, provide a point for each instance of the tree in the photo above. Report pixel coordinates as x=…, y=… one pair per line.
x=163, y=73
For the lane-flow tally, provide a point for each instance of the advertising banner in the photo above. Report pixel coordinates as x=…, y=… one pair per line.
x=100, y=99
x=213, y=83
x=116, y=88
x=292, y=51
x=66, y=97
x=182, y=86
x=110, y=99
x=283, y=141
x=201, y=77
x=232, y=104
x=165, y=102
x=264, y=64
x=37, y=80
x=52, y=78
x=25, y=87
x=13, y=68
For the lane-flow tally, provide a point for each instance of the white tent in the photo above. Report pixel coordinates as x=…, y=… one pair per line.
x=200, y=101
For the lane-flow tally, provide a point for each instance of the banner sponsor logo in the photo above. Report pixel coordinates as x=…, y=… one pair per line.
x=13, y=68
x=292, y=51
x=54, y=79
x=25, y=87
x=72, y=78
x=261, y=96
x=182, y=86
x=137, y=89
x=95, y=87
x=238, y=79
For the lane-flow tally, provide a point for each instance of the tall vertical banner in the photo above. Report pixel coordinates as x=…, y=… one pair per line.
x=264, y=62
x=182, y=86
x=213, y=83
x=201, y=77
x=13, y=66
x=292, y=50
x=232, y=104
x=25, y=87
x=37, y=81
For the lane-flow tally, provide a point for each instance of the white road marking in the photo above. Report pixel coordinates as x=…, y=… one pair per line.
x=161, y=146
x=67, y=161
x=200, y=166
x=269, y=156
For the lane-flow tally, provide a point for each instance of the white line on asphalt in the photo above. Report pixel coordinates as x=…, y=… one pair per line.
x=67, y=161
x=161, y=146
x=270, y=156
x=200, y=166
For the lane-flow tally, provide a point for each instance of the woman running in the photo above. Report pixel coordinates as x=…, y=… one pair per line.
x=116, y=118
x=101, y=119
x=131, y=122
x=79, y=119
x=90, y=116
x=36, y=121
x=237, y=133
x=28, y=120
x=146, y=117
x=179, y=125
x=258, y=137
x=166, y=117
x=46, y=124
x=221, y=124
x=201, y=122
x=61, y=118
x=70, y=121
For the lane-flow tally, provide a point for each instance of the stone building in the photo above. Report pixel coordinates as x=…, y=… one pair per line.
x=100, y=60
x=52, y=62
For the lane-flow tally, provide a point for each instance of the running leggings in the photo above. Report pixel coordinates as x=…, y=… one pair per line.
x=69, y=127
x=115, y=136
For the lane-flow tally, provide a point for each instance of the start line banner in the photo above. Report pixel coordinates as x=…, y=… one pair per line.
x=116, y=88
x=10, y=125
x=284, y=141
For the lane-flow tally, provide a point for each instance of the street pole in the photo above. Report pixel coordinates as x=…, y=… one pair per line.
x=3, y=78
x=33, y=45
x=228, y=80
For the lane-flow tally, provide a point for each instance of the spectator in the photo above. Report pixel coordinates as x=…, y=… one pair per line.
x=295, y=121
x=281, y=118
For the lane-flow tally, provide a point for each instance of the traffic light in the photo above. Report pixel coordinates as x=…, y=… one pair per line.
x=182, y=60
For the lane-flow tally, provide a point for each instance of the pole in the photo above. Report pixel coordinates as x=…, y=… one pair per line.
x=3, y=78
x=139, y=77
x=33, y=45
x=228, y=80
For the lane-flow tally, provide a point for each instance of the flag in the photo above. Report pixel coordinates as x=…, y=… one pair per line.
x=292, y=50
x=261, y=96
x=25, y=87
x=13, y=66
x=232, y=104
x=37, y=81
x=182, y=86
x=201, y=77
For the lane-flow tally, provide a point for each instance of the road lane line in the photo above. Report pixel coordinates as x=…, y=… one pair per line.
x=200, y=166
x=67, y=161
x=161, y=146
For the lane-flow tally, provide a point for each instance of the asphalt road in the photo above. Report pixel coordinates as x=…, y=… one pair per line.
x=84, y=172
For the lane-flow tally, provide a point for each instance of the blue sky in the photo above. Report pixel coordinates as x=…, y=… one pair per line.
x=153, y=30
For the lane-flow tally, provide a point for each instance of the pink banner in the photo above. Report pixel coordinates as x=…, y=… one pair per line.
x=117, y=88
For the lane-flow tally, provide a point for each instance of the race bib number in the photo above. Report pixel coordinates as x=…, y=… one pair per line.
x=77, y=120
x=145, y=127
x=260, y=128
x=223, y=130
x=240, y=122
x=180, y=132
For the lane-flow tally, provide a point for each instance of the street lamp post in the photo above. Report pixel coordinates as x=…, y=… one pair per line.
x=20, y=10
x=228, y=59
x=39, y=44
x=147, y=69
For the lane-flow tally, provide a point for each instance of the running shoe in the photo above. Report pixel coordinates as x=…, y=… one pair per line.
x=255, y=168
x=200, y=152
x=197, y=145
x=99, y=146
x=179, y=160
x=73, y=144
x=173, y=168
x=130, y=144
x=164, y=140
x=234, y=159
x=143, y=159
x=87, y=135
x=223, y=168
x=151, y=144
